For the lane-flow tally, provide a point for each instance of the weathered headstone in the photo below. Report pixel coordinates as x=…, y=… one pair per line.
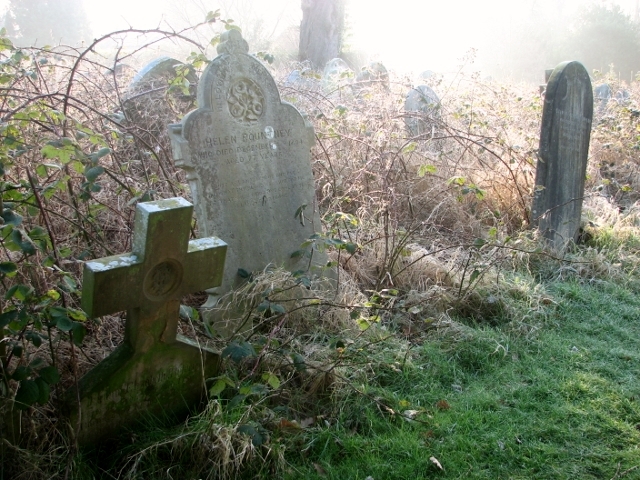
x=160, y=93
x=154, y=371
x=564, y=146
x=336, y=74
x=247, y=158
x=602, y=95
x=422, y=107
x=375, y=73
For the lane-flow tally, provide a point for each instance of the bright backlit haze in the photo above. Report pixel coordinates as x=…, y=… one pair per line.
x=404, y=34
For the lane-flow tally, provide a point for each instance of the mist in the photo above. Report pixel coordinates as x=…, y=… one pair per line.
x=500, y=38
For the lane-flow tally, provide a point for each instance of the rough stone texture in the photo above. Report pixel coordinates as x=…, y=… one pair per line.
x=564, y=146
x=154, y=371
x=423, y=110
x=247, y=158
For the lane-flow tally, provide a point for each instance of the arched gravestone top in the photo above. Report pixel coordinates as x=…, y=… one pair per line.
x=152, y=101
x=564, y=147
x=423, y=107
x=248, y=163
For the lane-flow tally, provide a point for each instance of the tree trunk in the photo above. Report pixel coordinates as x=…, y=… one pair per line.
x=321, y=30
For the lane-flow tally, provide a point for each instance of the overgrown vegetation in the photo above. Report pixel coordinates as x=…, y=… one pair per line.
x=454, y=345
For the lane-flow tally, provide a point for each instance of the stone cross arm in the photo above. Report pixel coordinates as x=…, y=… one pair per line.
x=163, y=267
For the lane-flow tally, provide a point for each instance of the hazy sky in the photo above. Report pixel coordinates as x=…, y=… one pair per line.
x=403, y=34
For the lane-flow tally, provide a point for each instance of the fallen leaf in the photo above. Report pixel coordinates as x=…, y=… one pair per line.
x=319, y=469
x=435, y=461
x=442, y=405
x=307, y=422
x=288, y=425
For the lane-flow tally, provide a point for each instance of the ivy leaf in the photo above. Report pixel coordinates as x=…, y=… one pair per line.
x=7, y=268
x=43, y=391
x=272, y=380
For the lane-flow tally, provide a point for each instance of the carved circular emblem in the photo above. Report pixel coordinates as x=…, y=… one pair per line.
x=246, y=101
x=162, y=280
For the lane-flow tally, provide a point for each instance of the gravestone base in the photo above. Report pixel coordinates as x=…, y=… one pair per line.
x=131, y=386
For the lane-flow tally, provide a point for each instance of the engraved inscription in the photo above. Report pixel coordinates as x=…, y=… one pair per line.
x=163, y=279
x=246, y=101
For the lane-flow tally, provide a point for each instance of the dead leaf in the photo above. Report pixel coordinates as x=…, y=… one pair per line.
x=288, y=425
x=442, y=405
x=307, y=422
x=435, y=461
x=319, y=469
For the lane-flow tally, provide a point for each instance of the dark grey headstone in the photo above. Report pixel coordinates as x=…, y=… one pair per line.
x=564, y=146
x=602, y=94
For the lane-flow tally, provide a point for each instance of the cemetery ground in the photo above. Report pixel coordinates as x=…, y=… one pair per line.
x=454, y=343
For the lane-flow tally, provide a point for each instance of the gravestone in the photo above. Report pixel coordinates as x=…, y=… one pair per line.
x=248, y=163
x=422, y=107
x=155, y=371
x=336, y=74
x=564, y=146
x=370, y=77
x=160, y=93
x=602, y=96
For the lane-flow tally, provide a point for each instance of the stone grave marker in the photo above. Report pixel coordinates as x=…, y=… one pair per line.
x=153, y=100
x=564, y=146
x=336, y=74
x=154, y=371
x=248, y=163
x=423, y=110
x=373, y=75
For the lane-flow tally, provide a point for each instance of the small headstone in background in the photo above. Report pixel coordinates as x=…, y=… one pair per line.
x=304, y=79
x=374, y=74
x=336, y=74
x=564, y=147
x=422, y=110
x=623, y=97
x=154, y=371
x=248, y=163
x=162, y=92
x=602, y=95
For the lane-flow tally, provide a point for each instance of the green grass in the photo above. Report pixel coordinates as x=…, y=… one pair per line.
x=564, y=404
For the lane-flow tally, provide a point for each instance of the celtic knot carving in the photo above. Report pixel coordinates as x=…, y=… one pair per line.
x=162, y=279
x=246, y=101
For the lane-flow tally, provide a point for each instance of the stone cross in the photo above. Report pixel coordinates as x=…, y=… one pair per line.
x=564, y=147
x=248, y=163
x=154, y=371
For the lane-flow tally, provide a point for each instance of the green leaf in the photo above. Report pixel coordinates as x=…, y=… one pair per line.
x=277, y=309
x=351, y=248
x=64, y=323
x=7, y=268
x=19, y=292
x=78, y=332
x=410, y=148
x=7, y=317
x=21, y=373
x=43, y=391
x=479, y=242
x=28, y=393
x=426, y=169
x=298, y=362
x=49, y=374
x=218, y=387
x=238, y=351
x=93, y=173
x=11, y=218
x=272, y=380
x=474, y=276
x=242, y=273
